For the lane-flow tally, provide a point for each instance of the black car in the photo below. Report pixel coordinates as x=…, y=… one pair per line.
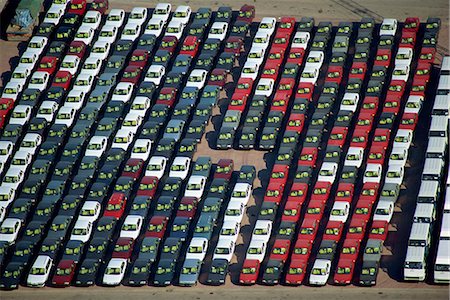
x=88, y=166
x=12, y=275
x=69, y=205
x=38, y=125
x=205, y=61
x=386, y=120
x=320, y=42
x=30, y=97
x=226, y=60
x=218, y=188
x=105, y=228
x=115, y=110
x=247, y=174
x=98, y=192
x=23, y=252
x=12, y=133
x=159, y=114
x=123, y=47
x=286, y=230
x=180, y=228
x=115, y=155
x=147, y=42
x=57, y=49
x=71, y=19
x=300, y=106
x=211, y=207
x=63, y=170
x=87, y=273
x=115, y=63
x=73, y=250
x=306, y=24
x=50, y=247
x=97, y=249
x=45, y=30
x=21, y=208
x=80, y=131
x=268, y=138
x=182, y=63
x=124, y=185
x=164, y=272
x=285, y=155
x=164, y=206
x=333, y=154
x=268, y=211
x=247, y=137
x=65, y=33
x=4, y=247
x=57, y=132
x=162, y=57
x=59, y=227
x=149, y=249
x=217, y=272
x=71, y=152
x=349, y=174
x=203, y=112
x=290, y=139
x=367, y=25
x=327, y=250
x=224, y=14
x=195, y=130
x=313, y=138
x=240, y=28
x=33, y=232
x=369, y=272
x=225, y=138
x=140, y=206
x=182, y=111
x=343, y=118
x=187, y=147
x=173, y=79
x=198, y=29
x=290, y=71
x=386, y=42
x=272, y=272
x=44, y=210
x=139, y=272
x=80, y=185
x=165, y=148
x=146, y=89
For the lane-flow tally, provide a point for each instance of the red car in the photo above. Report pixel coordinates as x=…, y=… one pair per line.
x=321, y=191
x=274, y=193
x=169, y=43
x=287, y=25
x=302, y=249
x=48, y=64
x=238, y=102
x=396, y=88
x=418, y=87
x=157, y=227
x=296, y=56
x=246, y=13
x=427, y=55
x=190, y=46
x=276, y=56
x=187, y=207
x=391, y=104
x=123, y=248
x=281, y=40
x=296, y=272
x=224, y=169
x=308, y=230
x=308, y=157
x=234, y=44
x=376, y=155
x=64, y=272
x=244, y=86
x=280, y=250
x=116, y=206
x=167, y=96
x=132, y=74
x=298, y=192
x=363, y=210
x=370, y=105
x=77, y=7
x=280, y=104
x=62, y=79
x=409, y=121
x=291, y=211
x=6, y=105
x=408, y=39
x=285, y=87
x=100, y=6
x=379, y=230
x=219, y=77
x=360, y=138
x=139, y=58
x=365, y=121
x=333, y=231
x=423, y=70
x=279, y=174
x=295, y=122
x=305, y=90
x=381, y=137
x=133, y=168
x=350, y=249
x=344, y=271
x=369, y=192
x=249, y=272
x=338, y=136
x=270, y=70
x=383, y=58
x=411, y=24
x=357, y=229
x=345, y=192
x=148, y=186
x=315, y=209
x=77, y=48
x=358, y=70
x=334, y=74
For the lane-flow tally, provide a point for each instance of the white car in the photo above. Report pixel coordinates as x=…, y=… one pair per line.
x=115, y=271
x=30, y=143
x=2, y=213
x=92, y=66
x=256, y=250
x=175, y=28
x=61, y=3
x=197, y=248
x=131, y=32
x=250, y=70
x=140, y=106
x=13, y=178
x=349, y=102
x=309, y=74
x=218, y=31
x=388, y=27
x=123, y=92
x=195, y=186
x=230, y=230
x=182, y=14
x=261, y=39
x=398, y=157
x=180, y=167
x=235, y=211
x=84, y=34
x=262, y=230
x=83, y=82
x=22, y=159
x=264, y=87
x=12, y=90
x=224, y=249
x=131, y=226
x=155, y=26
x=28, y=60
x=39, y=80
x=123, y=139
x=75, y=99
x=97, y=146
x=54, y=14
x=162, y=11
x=7, y=195
x=413, y=104
x=384, y=211
x=90, y=211
x=328, y=172
x=37, y=44
x=155, y=74
x=404, y=57
x=132, y=122
x=81, y=231
x=340, y=211
x=6, y=150
x=10, y=229
x=70, y=63
x=21, y=74
x=403, y=138
x=320, y=272
x=116, y=17
x=401, y=72
x=241, y=193
x=256, y=54
x=372, y=173
x=156, y=167
x=197, y=78
x=141, y=149
x=40, y=271
x=301, y=40
x=394, y=174
x=138, y=15
x=100, y=50
x=21, y=114
x=354, y=156
x=267, y=25
x=92, y=19
x=315, y=59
